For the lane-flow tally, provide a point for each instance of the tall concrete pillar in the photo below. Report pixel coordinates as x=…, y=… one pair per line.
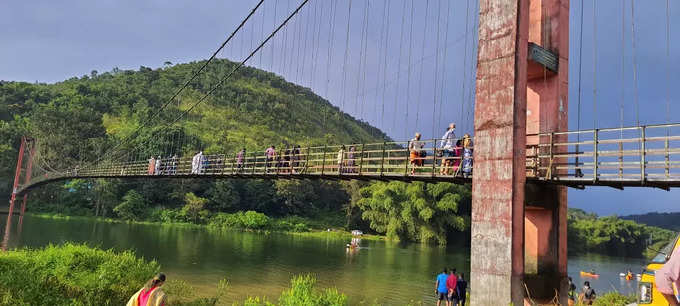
x=518, y=231
x=547, y=111
x=497, y=249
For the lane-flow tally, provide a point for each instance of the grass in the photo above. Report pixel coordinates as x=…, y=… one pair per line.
x=71, y=274
x=76, y=274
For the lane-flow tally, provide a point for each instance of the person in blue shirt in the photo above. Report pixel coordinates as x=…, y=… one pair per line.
x=440, y=288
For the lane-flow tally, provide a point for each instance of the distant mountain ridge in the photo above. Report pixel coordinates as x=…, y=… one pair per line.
x=670, y=221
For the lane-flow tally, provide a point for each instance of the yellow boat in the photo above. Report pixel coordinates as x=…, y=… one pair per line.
x=588, y=274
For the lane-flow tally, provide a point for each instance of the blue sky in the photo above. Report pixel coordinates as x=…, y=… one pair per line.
x=49, y=41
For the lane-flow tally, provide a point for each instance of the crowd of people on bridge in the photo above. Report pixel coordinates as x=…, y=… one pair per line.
x=162, y=166
x=287, y=161
x=455, y=153
x=453, y=156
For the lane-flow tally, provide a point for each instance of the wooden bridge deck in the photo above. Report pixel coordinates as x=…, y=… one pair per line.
x=644, y=156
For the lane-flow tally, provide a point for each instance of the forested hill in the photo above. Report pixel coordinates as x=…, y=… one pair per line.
x=663, y=220
x=80, y=117
x=614, y=236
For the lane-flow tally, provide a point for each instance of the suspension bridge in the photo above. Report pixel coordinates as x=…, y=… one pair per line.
x=520, y=161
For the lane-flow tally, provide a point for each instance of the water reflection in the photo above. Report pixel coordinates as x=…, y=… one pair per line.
x=262, y=264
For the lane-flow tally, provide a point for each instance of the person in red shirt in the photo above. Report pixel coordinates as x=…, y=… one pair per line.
x=451, y=282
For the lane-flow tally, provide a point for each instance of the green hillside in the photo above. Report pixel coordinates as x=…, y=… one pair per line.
x=80, y=118
x=662, y=220
x=613, y=236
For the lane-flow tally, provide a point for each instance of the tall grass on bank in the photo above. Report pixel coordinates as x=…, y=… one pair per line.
x=75, y=274
x=71, y=274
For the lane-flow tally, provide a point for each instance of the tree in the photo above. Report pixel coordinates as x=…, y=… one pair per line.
x=132, y=207
x=223, y=196
x=416, y=211
x=193, y=207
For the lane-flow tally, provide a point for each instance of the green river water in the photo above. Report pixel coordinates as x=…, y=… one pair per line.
x=259, y=264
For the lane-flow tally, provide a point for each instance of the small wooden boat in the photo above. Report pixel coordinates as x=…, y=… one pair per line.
x=588, y=274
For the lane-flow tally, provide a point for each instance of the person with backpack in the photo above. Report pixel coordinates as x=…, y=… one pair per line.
x=588, y=295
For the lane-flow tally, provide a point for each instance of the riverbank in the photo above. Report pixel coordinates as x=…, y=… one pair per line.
x=303, y=228
x=72, y=274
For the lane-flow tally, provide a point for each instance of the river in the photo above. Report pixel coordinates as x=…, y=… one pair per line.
x=262, y=264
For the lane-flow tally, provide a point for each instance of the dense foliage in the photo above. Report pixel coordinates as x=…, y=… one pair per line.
x=79, y=119
x=663, y=220
x=612, y=235
x=74, y=274
x=71, y=275
x=416, y=211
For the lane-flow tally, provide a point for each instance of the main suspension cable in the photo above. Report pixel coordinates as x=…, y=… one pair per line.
x=594, y=66
x=387, y=39
x=420, y=76
x=446, y=49
x=462, y=91
x=635, y=85
x=401, y=43
x=146, y=122
x=237, y=67
x=436, y=71
x=408, y=82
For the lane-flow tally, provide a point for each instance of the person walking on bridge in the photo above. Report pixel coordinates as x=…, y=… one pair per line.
x=152, y=166
x=447, y=145
x=341, y=159
x=416, y=153
x=467, y=156
x=239, y=159
x=196, y=163
x=270, y=155
x=157, y=169
x=151, y=294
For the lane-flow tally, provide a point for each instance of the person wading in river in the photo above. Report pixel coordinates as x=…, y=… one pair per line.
x=151, y=294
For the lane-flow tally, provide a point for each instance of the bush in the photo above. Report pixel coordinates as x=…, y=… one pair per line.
x=254, y=220
x=613, y=299
x=166, y=215
x=301, y=292
x=132, y=207
x=244, y=220
x=71, y=274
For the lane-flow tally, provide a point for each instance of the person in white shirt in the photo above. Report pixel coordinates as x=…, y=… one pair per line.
x=447, y=146
x=415, y=147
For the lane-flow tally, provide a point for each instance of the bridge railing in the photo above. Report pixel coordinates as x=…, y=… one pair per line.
x=629, y=155
x=360, y=160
